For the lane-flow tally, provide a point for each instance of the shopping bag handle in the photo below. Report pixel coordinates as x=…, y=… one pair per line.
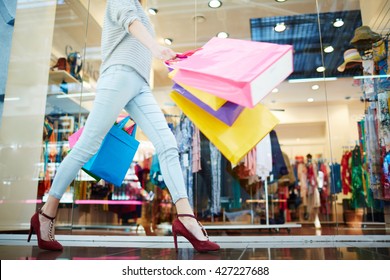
x=122, y=123
x=180, y=57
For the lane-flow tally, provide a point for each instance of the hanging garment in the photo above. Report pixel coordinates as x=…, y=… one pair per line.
x=335, y=178
x=383, y=120
x=386, y=176
x=279, y=167
x=264, y=157
x=290, y=176
x=346, y=172
x=323, y=186
x=302, y=181
x=215, y=156
x=313, y=195
x=358, y=199
x=196, y=166
x=379, y=55
x=184, y=133
x=373, y=152
x=246, y=168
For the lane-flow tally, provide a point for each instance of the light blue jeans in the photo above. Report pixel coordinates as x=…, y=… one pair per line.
x=120, y=87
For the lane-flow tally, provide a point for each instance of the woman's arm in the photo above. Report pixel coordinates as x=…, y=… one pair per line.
x=139, y=31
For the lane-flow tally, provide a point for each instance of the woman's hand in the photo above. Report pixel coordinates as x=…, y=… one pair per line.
x=163, y=53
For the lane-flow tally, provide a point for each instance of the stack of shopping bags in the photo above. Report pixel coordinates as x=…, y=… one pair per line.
x=219, y=87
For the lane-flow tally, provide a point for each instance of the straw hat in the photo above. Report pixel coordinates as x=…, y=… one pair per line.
x=365, y=33
x=351, y=56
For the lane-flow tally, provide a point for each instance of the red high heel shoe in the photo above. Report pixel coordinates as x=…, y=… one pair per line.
x=35, y=226
x=201, y=246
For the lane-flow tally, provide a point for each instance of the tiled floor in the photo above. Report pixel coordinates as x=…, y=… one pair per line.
x=347, y=244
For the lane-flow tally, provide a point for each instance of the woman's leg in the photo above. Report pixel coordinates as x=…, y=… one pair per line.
x=148, y=115
x=115, y=88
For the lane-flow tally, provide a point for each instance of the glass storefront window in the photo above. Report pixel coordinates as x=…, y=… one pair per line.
x=326, y=171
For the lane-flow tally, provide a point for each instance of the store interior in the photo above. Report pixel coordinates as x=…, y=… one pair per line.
x=321, y=113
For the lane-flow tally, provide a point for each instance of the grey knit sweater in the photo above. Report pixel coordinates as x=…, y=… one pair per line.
x=118, y=44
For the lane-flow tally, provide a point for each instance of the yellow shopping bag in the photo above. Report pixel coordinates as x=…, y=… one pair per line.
x=211, y=100
x=235, y=141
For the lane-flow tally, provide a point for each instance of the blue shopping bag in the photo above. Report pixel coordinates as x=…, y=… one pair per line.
x=115, y=155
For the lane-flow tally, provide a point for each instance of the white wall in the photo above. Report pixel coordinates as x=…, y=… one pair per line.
x=305, y=129
x=22, y=123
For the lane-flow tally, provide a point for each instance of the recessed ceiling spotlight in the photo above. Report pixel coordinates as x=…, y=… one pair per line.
x=168, y=41
x=222, y=35
x=280, y=27
x=329, y=49
x=310, y=100
x=199, y=18
x=275, y=90
x=338, y=23
x=280, y=1
x=215, y=4
x=315, y=87
x=320, y=69
x=152, y=11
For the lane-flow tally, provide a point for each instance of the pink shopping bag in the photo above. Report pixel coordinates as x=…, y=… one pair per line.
x=240, y=71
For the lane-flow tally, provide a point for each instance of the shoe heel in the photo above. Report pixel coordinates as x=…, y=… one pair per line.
x=30, y=233
x=175, y=241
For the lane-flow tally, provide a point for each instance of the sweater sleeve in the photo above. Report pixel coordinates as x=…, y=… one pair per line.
x=123, y=12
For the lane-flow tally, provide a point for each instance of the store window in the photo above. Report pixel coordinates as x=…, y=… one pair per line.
x=318, y=170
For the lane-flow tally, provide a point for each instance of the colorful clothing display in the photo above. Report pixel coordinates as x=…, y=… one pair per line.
x=184, y=132
x=346, y=172
x=335, y=178
x=358, y=199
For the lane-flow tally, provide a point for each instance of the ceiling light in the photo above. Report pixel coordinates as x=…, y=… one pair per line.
x=280, y=27
x=199, y=18
x=168, y=41
x=320, y=69
x=215, y=4
x=280, y=1
x=222, y=35
x=275, y=90
x=310, y=100
x=315, y=87
x=329, y=49
x=152, y=11
x=338, y=23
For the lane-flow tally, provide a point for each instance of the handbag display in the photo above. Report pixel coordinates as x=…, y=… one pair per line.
x=115, y=155
x=240, y=71
x=62, y=64
x=235, y=141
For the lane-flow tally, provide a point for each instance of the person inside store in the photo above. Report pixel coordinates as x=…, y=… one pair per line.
x=128, y=46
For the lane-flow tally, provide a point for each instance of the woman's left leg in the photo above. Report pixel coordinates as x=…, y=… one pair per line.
x=148, y=115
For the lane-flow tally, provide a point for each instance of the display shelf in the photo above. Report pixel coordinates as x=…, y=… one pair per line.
x=57, y=77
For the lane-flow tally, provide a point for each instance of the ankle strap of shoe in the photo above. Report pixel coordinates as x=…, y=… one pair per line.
x=199, y=223
x=186, y=215
x=46, y=216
